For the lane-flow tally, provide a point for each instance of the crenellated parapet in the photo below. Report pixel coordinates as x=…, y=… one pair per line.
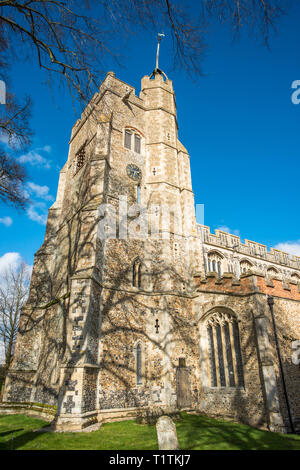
x=248, y=283
x=256, y=254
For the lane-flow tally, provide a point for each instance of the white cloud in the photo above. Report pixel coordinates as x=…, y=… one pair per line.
x=35, y=158
x=4, y=138
x=40, y=191
x=29, y=268
x=12, y=260
x=291, y=247
x=37, y=212
x=26, y=193
x=46, y=148
x=9, y=259
x=224, y=228
x=7, y=221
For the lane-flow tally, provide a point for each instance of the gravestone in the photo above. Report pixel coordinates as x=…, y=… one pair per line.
x=166, y=434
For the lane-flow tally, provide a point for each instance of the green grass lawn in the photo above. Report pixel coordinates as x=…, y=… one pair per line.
x=194, y=432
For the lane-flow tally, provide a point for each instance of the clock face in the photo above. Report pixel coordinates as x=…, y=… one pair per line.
x=134, y=172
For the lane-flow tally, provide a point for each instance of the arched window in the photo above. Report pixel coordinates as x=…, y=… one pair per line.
x=214, y=262
x=139, y=377
x=224, y=351
x=245, y=266
x=271, y=272
x=295, y=277
x=132, y=140
x=137, y=273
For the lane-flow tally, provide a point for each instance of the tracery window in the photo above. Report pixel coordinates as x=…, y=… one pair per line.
x=214, y=263
x=245, y=266
x=224, y=351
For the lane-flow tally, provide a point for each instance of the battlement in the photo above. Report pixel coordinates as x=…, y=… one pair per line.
x=151, y=88
x=157, y=80
x=249, y=247
x=114, y=84
x=247, y=284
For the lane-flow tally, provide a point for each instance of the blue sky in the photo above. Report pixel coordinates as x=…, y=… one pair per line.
x=238, y=123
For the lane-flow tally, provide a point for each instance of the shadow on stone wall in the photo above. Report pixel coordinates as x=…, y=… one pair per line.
x=69, y=284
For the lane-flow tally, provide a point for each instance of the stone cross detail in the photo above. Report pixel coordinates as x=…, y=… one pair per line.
x=69, y=404
x=156, y=326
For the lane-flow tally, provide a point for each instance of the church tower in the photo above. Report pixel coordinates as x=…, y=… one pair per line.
x=122, y=318
x=111, y=284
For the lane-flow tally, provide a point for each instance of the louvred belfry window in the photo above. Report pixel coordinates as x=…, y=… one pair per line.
x=132, y=140
x=137, y=143
x=127, y=142
x=79, y=160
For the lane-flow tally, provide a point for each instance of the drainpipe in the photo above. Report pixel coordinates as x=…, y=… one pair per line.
x=271, y=305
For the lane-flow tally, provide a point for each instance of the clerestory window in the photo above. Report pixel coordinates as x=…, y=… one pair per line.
x=214, y=263
x=245, y=266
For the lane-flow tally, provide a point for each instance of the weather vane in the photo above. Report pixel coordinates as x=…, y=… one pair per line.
x=157, y=69
x=159, y=38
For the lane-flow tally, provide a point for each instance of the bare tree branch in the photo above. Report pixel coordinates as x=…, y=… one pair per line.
x=12, y=177
x=259, y=16
x=71, y=42
x=14, y=287
x=74, y=39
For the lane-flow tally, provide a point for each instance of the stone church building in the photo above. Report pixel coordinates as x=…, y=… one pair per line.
x=128, y=314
